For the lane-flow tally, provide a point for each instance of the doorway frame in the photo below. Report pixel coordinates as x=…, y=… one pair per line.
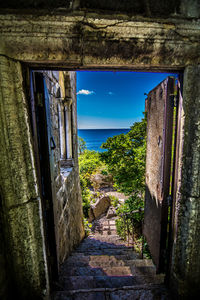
x=95, y=41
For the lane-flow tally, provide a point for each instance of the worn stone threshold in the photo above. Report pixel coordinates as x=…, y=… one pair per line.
x=124, y=288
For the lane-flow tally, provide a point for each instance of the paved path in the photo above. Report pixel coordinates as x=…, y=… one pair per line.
x=103, y=267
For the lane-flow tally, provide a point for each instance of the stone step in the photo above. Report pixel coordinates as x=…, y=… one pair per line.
x=142, y=292
x=104, y=261
x=107, y=252
x=112, y=251
x=105, y=226
x=110, y=240
x=103, y=242
x=114, y=237
x=102, y=246
x=112, y=270
x=106, y=232
x=89, y=271
x=90, y=282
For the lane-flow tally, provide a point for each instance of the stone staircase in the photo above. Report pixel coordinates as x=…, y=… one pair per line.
x=103, y=267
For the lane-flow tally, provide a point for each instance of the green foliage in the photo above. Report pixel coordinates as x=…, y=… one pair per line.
x=125, y=158
x=134, y=202
x=81, y=145
x=89, y=163
x=104, y=172
x=87, y=226
x=86, y=200
x=126, y=215
x=114, y=201
x=130, y=219
x=146, y=250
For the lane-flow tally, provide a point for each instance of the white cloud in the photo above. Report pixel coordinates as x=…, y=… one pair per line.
x=85, y=92
x=110, y=93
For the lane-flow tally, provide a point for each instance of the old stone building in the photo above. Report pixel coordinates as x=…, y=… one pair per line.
x=41, y=217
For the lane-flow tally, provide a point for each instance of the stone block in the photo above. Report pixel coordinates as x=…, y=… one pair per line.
x=91, y=215
x=101, y=206
x=111, y=212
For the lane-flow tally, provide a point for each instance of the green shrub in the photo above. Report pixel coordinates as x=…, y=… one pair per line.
x=114, y=201
x=87, y=226
x=129, y=222
x=89, y=163
x=81, y=145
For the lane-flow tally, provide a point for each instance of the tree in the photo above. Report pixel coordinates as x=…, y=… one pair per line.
x=125, y=157
x=81, y=145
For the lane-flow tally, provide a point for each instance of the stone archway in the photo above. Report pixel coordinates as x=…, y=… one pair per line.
x=83, y=40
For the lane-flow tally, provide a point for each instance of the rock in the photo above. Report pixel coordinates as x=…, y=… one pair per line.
x=111, y=212
x=101, y=181
x=101, y=206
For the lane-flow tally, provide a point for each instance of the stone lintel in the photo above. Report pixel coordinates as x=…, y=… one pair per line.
x=98, y=40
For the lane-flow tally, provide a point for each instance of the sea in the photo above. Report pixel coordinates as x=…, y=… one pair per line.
x=95, y=137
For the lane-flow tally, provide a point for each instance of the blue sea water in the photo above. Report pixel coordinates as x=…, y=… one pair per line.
x=95, y=137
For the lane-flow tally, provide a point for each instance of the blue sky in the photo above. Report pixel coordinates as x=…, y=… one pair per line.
x=108, y=99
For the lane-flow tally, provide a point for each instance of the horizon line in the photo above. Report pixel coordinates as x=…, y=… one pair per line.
x=103, y=128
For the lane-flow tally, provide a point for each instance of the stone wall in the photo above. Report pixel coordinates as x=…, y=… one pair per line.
x=23, y=254
x=185, y=275
x=67, y=197
x=21, y=204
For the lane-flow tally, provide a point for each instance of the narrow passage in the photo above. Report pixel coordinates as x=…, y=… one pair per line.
x=103, y=267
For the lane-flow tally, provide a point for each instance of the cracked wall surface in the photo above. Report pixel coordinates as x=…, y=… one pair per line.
x=88, y=40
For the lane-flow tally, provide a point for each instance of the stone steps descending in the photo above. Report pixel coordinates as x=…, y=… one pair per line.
x=104, y=267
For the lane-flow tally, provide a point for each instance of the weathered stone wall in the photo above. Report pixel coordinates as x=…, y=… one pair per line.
x=185, y=277
x=23, y=254
x=148, y=8
x=67, y=202
x=21, y=203
x=89, y=40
